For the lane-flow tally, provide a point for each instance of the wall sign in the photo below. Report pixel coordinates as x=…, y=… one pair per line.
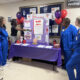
x=73, y=3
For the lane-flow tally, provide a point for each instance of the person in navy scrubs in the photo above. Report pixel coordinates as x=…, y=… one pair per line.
x=74, y=62
x=67, y=35
x=3, y=41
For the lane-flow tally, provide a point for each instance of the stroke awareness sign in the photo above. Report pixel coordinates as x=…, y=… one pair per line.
x=38, y=26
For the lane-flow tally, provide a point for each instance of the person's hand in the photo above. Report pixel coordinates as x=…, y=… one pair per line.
x=24, y=29
x=18, y=28
x=29, y=30
x=56, y=45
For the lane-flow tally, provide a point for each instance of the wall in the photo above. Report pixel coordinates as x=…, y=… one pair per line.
x=10, y=10
x=73, y=13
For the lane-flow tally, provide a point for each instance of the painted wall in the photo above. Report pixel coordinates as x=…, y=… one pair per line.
x=10, y=10
x=73, y=13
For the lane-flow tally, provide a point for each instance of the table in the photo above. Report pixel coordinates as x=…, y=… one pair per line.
x=33, y=52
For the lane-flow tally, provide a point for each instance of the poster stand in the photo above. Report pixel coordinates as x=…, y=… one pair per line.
x=38, y=28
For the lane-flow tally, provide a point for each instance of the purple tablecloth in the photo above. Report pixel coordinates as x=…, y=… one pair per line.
x=33, y=52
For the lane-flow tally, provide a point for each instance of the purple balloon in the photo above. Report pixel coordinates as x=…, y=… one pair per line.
x=19, y=15
x=58, y=14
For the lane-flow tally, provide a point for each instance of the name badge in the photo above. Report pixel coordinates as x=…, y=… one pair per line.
x=76, y=38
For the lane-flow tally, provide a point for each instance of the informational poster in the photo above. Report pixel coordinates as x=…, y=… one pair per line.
x=24, y=13
x=45, y=9
x=39, y=15
x=33, y=10
x=27, y=23
x=28, y=33
x=47, y=39
x=38, y=26
x=55, y=29
x=28, y=17
x=9, y=19
x=48, y=15
x=47, y=21
x=44, y=15
x=38, y=37
x=54, y=9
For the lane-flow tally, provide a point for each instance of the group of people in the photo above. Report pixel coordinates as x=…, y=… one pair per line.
x=70, y=45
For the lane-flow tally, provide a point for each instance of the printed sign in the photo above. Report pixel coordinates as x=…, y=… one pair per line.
x=38, y=26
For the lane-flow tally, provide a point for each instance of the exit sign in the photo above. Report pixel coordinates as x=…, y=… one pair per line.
x=73, y=3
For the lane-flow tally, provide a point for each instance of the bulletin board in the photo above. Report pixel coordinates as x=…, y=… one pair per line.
x=54, y=29
x=28, y=10
x=48, y=8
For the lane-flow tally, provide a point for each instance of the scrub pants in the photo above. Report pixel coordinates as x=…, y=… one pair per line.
x=0, y=54
x=74, y=63
x=4, y=51
x=67, y=56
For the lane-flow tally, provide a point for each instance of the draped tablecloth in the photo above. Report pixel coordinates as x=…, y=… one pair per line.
x=33, y=52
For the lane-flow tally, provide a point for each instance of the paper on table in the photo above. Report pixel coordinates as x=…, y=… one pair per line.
x=41, y=46
x=55, y=28
x=38, y=37
x=25, y=44
x=17, y=44
x=49, y=47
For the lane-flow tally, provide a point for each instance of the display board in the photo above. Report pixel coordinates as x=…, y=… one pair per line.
x=39, y=30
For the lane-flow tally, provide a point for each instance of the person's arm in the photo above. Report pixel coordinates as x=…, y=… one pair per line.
x=4, y=32
x=73, y=34
x=20, y=29
x=76, y=41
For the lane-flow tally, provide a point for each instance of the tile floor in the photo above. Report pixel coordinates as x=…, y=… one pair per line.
x=32, y=71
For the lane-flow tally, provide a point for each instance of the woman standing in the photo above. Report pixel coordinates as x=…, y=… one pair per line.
x=3, y=42
x=67, y=36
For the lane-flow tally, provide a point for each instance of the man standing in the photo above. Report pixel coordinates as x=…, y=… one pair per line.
x=67, y=37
